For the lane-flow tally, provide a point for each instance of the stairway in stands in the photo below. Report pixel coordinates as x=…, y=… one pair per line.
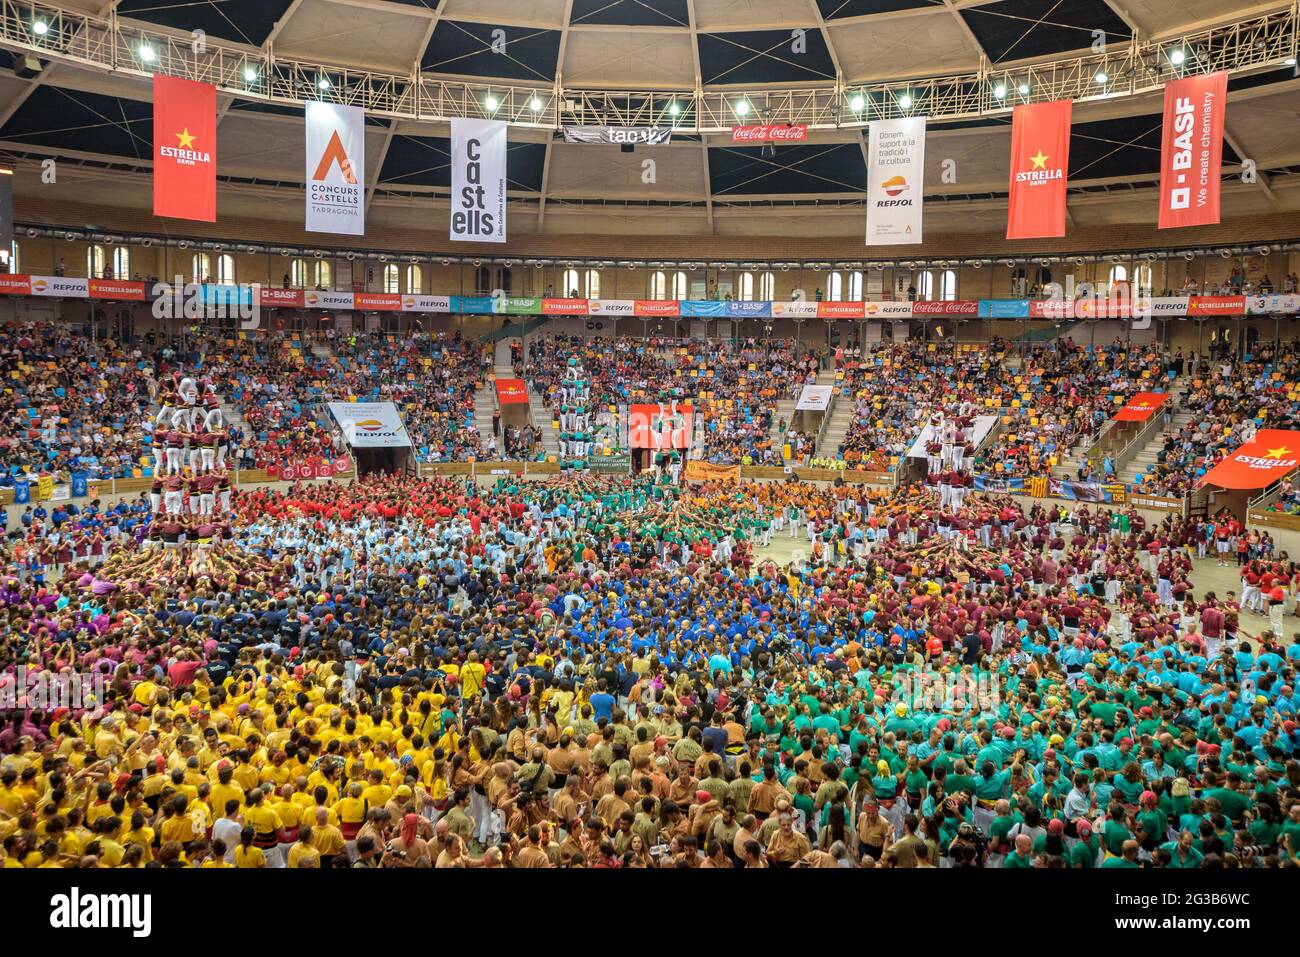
x=540, y=415
x=1146, y=458
x=485, y=403
x=841, y=418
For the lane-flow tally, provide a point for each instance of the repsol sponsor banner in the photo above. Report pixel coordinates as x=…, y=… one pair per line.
x=370, y=425
x=749, y=310
x=799, y=309
x=1271, y=305
x=324, y=299
x=612, y=307
x=697, y=471
x=567, y=307
x=658, y=308
x=1004, y=309
x=887, y=310
x=478, y=181
x=272, y=297
x=60, y=287
x=117, y=289
x=1216, y=306
x=1191, y=150
x=895, y=181
x=619, y=135
x=427, y=304
x=376, y=301
x=336, y=169
x=1169, y=306
x=956, y=307
x=770, y=133
x=840, y=310
x=814, y=398
x=703, y=309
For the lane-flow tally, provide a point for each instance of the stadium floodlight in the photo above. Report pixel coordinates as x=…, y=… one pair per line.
x=742, y=108
x=1101, y=78
x=674, y=108
x=491, y=103
x=1023, y=89
x=146, y=53
x=1177, y=56
x=857, y=103
x=1000, y=91
x=323, y=83
x=250, y=75
x=40, y=28
x=536, y=104
x=905, y=101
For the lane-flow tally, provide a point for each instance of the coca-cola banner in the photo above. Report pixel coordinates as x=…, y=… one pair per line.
x=955, y=307
x=770, y=133
x=619, y=135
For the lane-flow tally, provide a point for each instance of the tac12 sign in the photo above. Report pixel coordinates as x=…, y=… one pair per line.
x=478, y=181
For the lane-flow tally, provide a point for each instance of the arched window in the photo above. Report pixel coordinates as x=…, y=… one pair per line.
x=855, y=287
x=298, y=274
x=391, y=278
x=658, y=286
x=201, y=267
x=482, y=281
x=226, y=269
x=745, y=287
x=1142, y=279
x=835, y=287
x=681, y=286
x=925, y=285
x=414, y=279
x=1118, y=273
x=321, y=273
x=15, y=258
x=592, y=290
x=122, y=262
x=948, y=285
x=95, y=261
x=766, y=287
x=571, y=289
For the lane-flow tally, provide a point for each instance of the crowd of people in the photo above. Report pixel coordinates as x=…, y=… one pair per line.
x=616, y=672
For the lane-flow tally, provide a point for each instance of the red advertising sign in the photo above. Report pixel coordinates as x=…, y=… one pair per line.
x=1216, y=306
x=769, y=133
x=511, y=392
x=283, y=298
x=12, y=284
x=663, y=426
x=963, y=307
x=117, y=289
x=840, y=310
x=657, y=308
x=1040, y=161
x=565, y=307
x=377, y=301
x=1142, y=406
x=1191, y=150
x=184, y=149
x=1271, y=454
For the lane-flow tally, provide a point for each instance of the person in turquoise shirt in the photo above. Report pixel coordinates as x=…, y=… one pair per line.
x=1183, y=854
x=1128, y=857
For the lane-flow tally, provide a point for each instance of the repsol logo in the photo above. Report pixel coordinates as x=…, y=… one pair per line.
x=883, y=203
x=77, y=911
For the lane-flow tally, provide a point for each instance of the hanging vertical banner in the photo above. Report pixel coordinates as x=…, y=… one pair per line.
x=896, y=181
x=478, y=181
x=336, y=169
x=1191, y=150
x=184, y=149
x=1040, y=157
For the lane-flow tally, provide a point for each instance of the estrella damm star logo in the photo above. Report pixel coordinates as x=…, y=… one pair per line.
x=1039, y=161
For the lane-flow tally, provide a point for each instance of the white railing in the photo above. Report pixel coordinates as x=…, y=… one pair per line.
x=1141, y=65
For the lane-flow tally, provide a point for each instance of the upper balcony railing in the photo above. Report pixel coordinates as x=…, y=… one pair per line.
x=1142, y=65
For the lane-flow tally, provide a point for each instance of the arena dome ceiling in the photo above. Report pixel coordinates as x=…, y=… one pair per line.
x=99, y=121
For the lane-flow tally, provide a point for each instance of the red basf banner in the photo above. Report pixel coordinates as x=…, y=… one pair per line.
x=1141, y=407
x=512, y=392
x=1191, y=150
x=1040, y=158
x=184, y=149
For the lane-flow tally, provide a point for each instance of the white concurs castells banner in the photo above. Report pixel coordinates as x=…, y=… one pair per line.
x=895, y=181
x=478, y=181
x=336, y=169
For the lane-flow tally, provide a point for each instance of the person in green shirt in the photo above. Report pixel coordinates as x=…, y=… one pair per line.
x=1128, y=857
x=1084, y=854
x=1183, y=854
x=1022, y=855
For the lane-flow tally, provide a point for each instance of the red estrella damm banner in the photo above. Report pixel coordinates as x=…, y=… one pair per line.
x=1040, y=159
x=1141, y=407
x=1191, y=150
x=511, y=392
x=1271, y=454
x=184, y=149
x=663, y=426
x=657, y=308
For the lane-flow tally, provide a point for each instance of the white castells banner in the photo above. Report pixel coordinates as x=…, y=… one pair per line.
x=336, y=169
x=814, y=398
x=983, y=426
x=478, y=181
x=895, y=181
x=370, y=425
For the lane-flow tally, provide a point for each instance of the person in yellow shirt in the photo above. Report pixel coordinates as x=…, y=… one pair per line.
x=266, y=826
x=248, y=854
x=140, y=835
x=352, y=811
x=304, y=854
x=473, y=677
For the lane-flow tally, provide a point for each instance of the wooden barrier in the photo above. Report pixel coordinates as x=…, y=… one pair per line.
x=1161, y=503
x=542, y=468
x=1280, y=520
